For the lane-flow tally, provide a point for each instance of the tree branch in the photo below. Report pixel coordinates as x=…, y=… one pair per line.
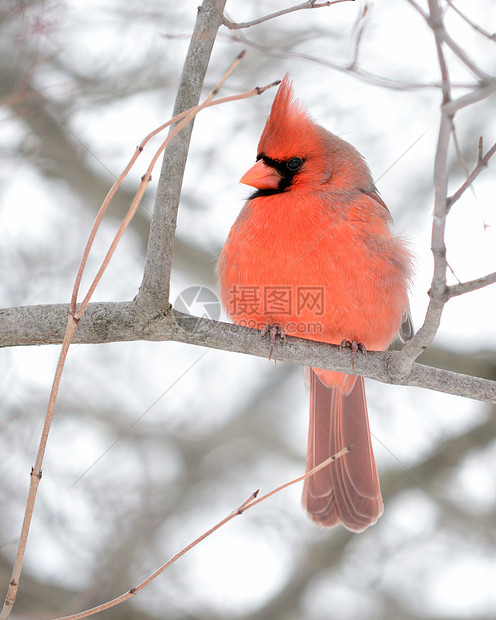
x=435, y=21
x=476, y=27
x=252, y=501
x=481, y=165
x=154, y=289
x=126, y=321
x=350, y=68
x=425, y=335
x=481, y=92
x=471, y=285
x=310, y=4
x=439, y=292
x=358, y=31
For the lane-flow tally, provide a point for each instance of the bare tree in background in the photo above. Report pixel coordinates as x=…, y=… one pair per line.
x=134, y=492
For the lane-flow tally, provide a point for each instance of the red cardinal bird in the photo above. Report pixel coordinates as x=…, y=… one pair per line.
x=311, y=255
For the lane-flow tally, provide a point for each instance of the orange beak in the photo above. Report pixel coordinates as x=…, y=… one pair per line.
x=261, y=176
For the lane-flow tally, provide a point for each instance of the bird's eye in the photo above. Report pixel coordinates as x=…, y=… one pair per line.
x=294, y=163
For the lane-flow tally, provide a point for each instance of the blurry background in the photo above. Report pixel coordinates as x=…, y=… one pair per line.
x=153, y=443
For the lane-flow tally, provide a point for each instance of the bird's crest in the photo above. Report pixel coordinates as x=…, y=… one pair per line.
x=289, y=129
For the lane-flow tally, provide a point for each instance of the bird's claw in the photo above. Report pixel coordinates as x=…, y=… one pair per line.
x=273, y=331
x=355, y=347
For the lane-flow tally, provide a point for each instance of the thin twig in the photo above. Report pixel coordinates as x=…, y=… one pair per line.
x=459, y=151
x=108, y=199
x=471, y=285
x=36, y=473
x=358, y=34
x=360, y=73
x=313, y=471
x=476, y=27
x=418, y=9
x=458, y=51
x=435, y=22
x=246, y=505
x=310, y=4
x=481, y=165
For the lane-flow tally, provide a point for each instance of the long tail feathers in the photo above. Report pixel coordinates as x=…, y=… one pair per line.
x=347, y=491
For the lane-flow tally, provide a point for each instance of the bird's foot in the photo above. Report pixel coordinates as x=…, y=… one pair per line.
x=273, y=331
x=355, y=347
